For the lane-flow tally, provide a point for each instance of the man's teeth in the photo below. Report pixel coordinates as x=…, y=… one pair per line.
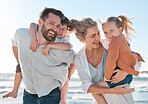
x=51, y=33
x=95, y=42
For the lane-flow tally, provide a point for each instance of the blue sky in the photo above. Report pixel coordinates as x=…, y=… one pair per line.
x=20, y=13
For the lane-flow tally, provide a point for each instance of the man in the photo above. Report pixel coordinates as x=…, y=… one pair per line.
x=42, y=75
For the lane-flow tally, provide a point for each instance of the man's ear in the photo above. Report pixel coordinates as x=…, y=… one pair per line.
x=40, y=22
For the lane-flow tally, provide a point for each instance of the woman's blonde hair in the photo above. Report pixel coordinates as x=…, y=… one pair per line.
x=125, y=23
x=80, y=27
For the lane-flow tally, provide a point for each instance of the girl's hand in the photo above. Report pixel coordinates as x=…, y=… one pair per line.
x=120, y=75
x=34, y=45
x=10, y=94
x=46, y=49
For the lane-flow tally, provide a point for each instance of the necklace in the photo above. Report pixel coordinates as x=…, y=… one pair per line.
x=94, y=58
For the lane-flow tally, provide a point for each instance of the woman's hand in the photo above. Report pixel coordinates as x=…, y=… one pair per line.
x=120, y=90
x=120, y=75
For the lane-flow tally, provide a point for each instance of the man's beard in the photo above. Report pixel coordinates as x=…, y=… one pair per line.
x=45, y=33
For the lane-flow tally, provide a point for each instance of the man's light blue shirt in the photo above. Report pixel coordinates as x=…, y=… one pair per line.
x=41, y=74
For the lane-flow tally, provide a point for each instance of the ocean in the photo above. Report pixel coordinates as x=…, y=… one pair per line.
x=75, y=94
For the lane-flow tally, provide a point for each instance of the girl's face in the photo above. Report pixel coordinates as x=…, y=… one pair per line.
x=92, y=37
x=111, y=30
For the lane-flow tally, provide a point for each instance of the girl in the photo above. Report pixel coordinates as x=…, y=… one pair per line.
x=119, y=54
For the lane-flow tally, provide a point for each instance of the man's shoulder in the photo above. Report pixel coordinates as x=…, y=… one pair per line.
x=22, y=33
x=22, y=30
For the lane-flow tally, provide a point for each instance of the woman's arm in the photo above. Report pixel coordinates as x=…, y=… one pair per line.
x=94, y=89
x=89, y=87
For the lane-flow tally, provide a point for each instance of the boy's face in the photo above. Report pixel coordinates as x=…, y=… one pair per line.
x=62, y=31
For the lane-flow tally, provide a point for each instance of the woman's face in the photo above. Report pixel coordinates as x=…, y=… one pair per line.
x=92, y=37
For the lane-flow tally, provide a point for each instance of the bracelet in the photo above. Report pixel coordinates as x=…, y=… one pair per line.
x=18, y=68
x=69, y=76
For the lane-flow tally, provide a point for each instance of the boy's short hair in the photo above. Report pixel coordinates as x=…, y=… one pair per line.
x=65, y=21
x=44, y=13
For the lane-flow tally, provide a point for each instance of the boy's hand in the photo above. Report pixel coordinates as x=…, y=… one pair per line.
x=10, y=94
x=34, y=45
x=46, y=49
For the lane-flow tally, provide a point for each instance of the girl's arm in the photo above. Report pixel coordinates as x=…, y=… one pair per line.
x=34, y=42
x=18, y=77
x=60, y=46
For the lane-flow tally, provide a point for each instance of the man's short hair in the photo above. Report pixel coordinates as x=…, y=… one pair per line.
x=44, y=13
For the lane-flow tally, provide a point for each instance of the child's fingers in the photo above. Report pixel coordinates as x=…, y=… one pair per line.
x=43, y=52
x=5, y=96
x=114, y=81
x=120, y=86
x=116, y=70
x=37, y=45
x=47, y=53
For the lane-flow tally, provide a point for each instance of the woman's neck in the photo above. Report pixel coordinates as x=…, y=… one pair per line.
x=93, y=51
x=94, y=55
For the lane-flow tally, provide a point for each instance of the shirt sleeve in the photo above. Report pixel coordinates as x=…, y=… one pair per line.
x=128, y=70
x=16, y=37
x=65, y=39
x=85, y=79
x=20, y=35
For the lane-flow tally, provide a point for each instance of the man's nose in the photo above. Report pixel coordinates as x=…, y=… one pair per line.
x=55, y=28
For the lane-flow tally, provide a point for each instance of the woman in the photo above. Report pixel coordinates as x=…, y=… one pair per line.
x=90, y=62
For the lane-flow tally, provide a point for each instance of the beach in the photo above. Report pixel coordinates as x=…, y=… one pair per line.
x=75, y=93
